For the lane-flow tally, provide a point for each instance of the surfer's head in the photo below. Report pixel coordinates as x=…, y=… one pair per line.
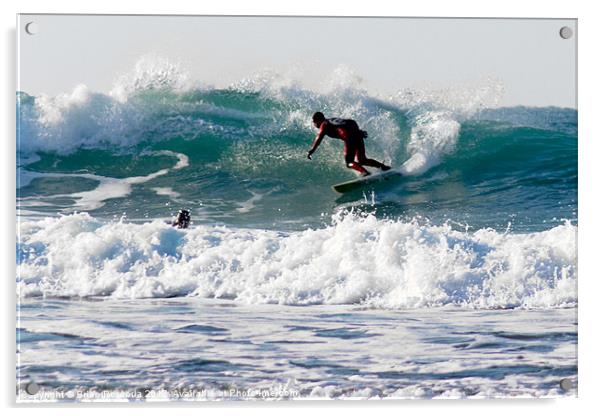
x=318, y=118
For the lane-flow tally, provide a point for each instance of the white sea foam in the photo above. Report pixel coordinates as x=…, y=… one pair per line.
x=249, y=204
x=166, y=191
x=436, y=116
x=356, y=260
x=83, y=118
x=151, y=72
x=434, y=135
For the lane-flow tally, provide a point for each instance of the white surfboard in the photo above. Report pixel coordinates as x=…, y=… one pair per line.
x=364, y=180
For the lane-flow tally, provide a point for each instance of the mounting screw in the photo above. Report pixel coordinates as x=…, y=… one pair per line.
x=32, y=388
x=566, y=32
x=31, y=28
x=566, y=384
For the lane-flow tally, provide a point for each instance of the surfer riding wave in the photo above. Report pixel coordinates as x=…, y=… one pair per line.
x=348, y=131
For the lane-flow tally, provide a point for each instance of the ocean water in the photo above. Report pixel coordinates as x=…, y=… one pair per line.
x=457, y=279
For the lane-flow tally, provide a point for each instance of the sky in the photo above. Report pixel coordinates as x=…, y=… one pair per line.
x=534, y=65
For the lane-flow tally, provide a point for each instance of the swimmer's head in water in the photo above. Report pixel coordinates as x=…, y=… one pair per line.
x=183, y=219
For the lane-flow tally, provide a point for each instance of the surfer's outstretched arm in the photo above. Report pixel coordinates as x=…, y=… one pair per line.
x=317, y=141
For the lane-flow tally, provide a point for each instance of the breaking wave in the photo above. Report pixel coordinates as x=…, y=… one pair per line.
x=358, y=259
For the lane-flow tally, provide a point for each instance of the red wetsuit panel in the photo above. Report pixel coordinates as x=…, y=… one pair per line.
x=354, y=150
x=354, y=142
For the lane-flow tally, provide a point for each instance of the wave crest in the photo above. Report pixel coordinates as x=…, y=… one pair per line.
x=158, y=101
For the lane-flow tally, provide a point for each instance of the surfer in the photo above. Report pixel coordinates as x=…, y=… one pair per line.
x=352, y=136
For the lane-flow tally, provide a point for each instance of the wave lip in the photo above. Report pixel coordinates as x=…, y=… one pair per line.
x=356, y=260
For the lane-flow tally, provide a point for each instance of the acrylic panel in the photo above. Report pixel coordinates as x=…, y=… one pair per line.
x=293, y=208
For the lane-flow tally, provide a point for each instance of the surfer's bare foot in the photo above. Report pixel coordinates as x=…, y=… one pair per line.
x=385, y=168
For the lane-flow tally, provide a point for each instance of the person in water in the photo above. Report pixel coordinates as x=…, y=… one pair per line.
x=352, y=136
x=182, y=219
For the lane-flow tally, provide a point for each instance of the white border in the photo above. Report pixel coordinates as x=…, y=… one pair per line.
x=590, y=136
